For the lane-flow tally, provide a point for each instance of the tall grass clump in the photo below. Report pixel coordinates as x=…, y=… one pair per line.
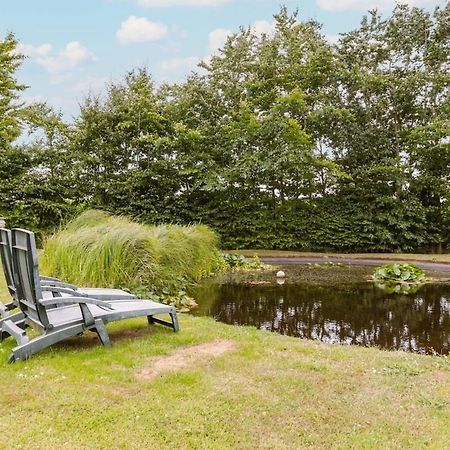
x=101, y=250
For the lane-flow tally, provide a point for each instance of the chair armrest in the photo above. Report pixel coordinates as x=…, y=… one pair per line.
x=42, y=278
x=82, y=302
x=78, y=300
x=62, y=290
x=59, y=284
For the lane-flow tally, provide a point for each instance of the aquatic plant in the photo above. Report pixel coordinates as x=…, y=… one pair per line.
x=239, y=262
x=397, y=278
x=399, y=273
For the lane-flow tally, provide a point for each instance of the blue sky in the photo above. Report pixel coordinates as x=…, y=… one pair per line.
x=76, y=47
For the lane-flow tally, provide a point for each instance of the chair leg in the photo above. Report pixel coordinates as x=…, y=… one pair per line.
x=12, y=329
x=3, y=311
x=173, y=315
x=13, y=318
x=10, y=306
x=102, y=334
x=23, y=352
x=17, y=319
x=5, y=308
x=175, y=324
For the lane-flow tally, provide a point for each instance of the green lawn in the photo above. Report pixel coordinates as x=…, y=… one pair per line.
x=442, y=258
x=266, y=391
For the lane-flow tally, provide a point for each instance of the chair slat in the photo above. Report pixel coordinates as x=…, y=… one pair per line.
x=5, y=255
x=27, y=281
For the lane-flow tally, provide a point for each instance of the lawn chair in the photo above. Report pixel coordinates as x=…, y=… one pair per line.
x=51, y=287
x=106, y=294
x=6, y=310
x=5, y=255
x=74, y=314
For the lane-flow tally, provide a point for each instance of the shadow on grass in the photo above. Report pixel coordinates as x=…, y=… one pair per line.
x=89, y=339
x=118, y=333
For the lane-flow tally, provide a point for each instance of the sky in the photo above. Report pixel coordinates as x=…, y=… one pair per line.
x=74, y=48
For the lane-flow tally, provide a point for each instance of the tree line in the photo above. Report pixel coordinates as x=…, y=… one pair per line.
x=282, y=140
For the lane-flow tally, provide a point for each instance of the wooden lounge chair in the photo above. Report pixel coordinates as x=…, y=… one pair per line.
x=74, y=314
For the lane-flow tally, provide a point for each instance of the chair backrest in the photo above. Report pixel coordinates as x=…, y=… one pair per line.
x=26, y=276
x=5, y=255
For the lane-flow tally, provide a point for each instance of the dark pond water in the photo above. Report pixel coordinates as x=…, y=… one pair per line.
x=335, y=306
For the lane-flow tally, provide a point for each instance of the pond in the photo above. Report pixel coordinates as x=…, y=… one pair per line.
x=334, y=305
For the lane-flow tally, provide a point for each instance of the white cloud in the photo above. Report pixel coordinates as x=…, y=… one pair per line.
x=56, y=101
x=176, y=69
x=168, y=3
x=343, y=5
x=332, y=38
x=34, y=51
x=140, y=29
x=88, y=85
x=217, y=38
x=175, y=29
x=67, y=59
x=263, y=27
x=30, y=99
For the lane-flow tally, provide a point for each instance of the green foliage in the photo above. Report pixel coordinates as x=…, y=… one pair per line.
x=36, y=189
x=402, y=288
x=233, y=260
x=403, y=279
x=284, y=141
x=173, y=296
x=10, y=109
x=241, y=263
x=399, y=272
x=98, y=249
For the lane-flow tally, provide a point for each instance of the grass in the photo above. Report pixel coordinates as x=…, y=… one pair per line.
x=270, y=392
x=441, y=258
x=98, y=249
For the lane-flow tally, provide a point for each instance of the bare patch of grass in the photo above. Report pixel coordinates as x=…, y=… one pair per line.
x=185, y=358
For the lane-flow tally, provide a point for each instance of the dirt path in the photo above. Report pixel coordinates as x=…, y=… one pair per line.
x=441, y=267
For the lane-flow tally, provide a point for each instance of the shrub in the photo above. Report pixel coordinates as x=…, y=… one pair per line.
x=98, y=249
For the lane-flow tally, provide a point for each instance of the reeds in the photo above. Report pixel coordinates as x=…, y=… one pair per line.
x=99, y=249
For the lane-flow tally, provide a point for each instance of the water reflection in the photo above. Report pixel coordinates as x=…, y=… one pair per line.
x=391, y=287
x=360, y=313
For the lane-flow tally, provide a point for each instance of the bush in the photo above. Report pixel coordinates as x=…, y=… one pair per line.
x=98, y=249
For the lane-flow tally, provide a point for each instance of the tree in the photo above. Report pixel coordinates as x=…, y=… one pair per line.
x=392, y=90
x=12, y=162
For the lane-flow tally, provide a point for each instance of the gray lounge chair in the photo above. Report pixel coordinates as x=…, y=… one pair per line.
x=80, y=314
x=99, y=293
x=51, y=287
x=5, y=256
x=11, y=311
x=7, y=310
